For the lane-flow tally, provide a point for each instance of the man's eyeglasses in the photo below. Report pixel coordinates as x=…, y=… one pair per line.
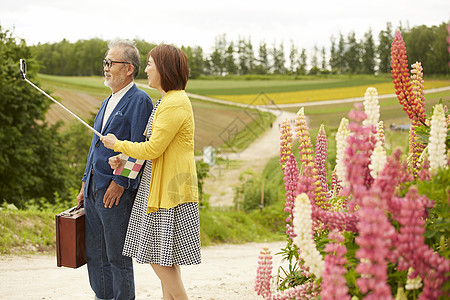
x=108, y=63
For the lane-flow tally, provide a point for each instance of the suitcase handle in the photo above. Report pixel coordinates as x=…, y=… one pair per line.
x=73, y=211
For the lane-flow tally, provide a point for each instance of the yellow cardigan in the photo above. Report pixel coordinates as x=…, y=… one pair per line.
x=171, y=148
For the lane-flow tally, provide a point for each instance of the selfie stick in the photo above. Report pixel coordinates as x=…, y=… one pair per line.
x=23, y=72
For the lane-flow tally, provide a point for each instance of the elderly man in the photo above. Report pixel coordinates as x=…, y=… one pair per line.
x=108, y=198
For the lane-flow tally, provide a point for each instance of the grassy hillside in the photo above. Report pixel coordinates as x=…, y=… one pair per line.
x=214, y=122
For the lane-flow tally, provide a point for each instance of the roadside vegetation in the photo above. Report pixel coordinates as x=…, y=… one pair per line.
x=43, y=151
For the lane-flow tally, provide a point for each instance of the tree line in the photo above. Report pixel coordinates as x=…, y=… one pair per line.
x=345, y=55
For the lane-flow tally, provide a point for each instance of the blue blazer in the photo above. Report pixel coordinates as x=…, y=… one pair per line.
x=127, y=121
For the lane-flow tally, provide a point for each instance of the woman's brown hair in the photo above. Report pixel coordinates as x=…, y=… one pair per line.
x=172, y=66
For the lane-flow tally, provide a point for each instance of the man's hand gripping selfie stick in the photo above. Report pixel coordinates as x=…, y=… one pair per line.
x=23, y=72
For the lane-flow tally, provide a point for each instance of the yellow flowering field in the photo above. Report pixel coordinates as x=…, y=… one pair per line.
x=320, y=94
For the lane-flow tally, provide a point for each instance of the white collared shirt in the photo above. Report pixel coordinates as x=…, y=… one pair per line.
x=115, y=98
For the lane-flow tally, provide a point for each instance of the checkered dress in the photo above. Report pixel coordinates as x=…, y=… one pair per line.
x=167, y=236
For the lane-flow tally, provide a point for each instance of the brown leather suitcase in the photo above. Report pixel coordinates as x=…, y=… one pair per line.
x=70, y=249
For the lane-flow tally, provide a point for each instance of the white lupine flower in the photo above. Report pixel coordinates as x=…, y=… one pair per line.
x=377, y=160
x=371, y=107
x=304, y=235
x=400, y=294
x=413, y=283
x=341, y=144
x=438, y=134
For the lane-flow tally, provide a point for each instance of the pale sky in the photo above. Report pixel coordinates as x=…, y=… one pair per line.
x=199, y=22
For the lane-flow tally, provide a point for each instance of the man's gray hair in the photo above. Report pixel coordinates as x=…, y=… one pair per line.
x=130, y=53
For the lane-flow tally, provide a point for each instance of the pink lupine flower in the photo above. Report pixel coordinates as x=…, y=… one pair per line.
x=334, y=285
x=264, y=273
x=291, y=178
x=361, y=143
x=320, y=160
x=410, y=212
x=375, y=240
x=307, y=290
x=285, y=142
x=335, y=185
x=402, y=81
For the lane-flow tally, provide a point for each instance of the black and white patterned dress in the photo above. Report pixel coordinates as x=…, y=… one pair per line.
x=167, y=236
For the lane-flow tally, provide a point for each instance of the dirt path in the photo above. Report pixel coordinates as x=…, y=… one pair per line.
x=223, y=178
x=226, y=272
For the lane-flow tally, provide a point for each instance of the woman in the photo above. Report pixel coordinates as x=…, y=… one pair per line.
x=164, y=228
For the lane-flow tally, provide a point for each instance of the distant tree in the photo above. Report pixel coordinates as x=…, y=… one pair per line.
x=293, y=58
x=368, y=53
x=333, y=56
x=197, y=62
x=439, y=56
x=385, y=38
x=217, y=58
x=279, y=60
x=303, y=63
x=341, y=63
x=144, y=48
x=428, y=46
x=353, y=54
x=314, y=62
x=324, y=61
x=230, y=64
x=262, y=66
x=245, y=56
x=32, y=161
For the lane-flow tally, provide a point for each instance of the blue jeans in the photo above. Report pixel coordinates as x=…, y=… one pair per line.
x=110, y=273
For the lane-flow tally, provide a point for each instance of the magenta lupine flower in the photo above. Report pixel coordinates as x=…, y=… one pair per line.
x=320, y=159
x=335, y=185
x=424, y=173
x=375, y=240
x=264, y=273
x=285, y=142
x=402, y=81
x=360, y=143
x=307, y=290
x=411, y=214
x=334, y=285
x=291, y=178
x=345, y=221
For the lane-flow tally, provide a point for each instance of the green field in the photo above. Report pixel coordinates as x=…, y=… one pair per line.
x=213, y=120
x=243, y=87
